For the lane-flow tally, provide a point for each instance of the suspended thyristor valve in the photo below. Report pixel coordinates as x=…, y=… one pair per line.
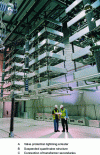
x=92, y=31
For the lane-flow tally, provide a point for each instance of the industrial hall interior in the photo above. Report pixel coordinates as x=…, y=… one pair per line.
x=49, y=59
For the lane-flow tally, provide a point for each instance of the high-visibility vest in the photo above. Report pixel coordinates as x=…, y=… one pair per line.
x=63, y=113
x=54, y=113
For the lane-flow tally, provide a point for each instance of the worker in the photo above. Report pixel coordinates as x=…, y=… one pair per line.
x=64, y=118
x=56, y=118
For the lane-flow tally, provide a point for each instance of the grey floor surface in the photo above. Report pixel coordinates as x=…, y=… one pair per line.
x=29, y=128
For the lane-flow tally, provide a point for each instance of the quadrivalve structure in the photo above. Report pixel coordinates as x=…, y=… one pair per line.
x=46, y=51
x=84, y=25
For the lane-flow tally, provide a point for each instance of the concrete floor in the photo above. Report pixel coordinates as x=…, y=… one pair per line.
x=29, y=128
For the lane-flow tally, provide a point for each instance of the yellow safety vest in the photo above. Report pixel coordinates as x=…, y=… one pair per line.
x=54, y=113
x=63, y=113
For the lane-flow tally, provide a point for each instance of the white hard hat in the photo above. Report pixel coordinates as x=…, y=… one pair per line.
x=61, y=106
x=56, y=106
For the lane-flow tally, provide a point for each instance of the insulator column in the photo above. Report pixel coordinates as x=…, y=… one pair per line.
x=26, y=63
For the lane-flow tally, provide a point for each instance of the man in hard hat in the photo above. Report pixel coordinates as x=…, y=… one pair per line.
x=64, y=117
x=56, y=118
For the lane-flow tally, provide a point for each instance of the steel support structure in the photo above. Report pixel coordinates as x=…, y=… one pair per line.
x=11, y=134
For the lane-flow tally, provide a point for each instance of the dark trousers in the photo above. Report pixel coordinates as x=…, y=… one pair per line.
x=56, y=124
x=64, y=123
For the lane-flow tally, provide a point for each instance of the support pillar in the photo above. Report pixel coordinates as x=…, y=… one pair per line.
x=11, y=134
